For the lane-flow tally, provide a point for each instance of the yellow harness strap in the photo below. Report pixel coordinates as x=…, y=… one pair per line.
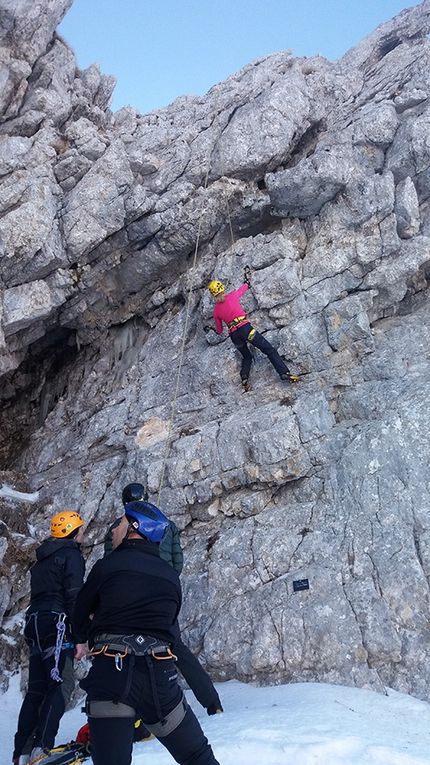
x=233, y=322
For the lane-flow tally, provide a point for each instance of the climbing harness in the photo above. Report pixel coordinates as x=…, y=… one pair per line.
x=118, y=646
x=169, y=722
x=61, y=629
x=141, y=732
x=235, y=322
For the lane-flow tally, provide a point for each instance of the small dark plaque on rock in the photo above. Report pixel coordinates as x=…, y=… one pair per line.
x=301, y=584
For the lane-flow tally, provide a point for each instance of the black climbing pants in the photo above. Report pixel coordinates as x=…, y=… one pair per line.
x=45, y=701
x=247, y=334
x=196, y=677
x=146, y=688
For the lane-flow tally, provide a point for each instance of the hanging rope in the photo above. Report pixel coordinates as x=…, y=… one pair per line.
x=187, y=314
x=190, y=291
x=228, y=280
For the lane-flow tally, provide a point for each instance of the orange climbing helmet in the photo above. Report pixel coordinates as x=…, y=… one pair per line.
x=216, y=288
x=64, y=523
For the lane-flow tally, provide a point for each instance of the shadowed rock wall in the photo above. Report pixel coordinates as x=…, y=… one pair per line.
x=321, y=172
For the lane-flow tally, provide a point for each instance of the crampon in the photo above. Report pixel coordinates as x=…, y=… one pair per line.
x=67, y=754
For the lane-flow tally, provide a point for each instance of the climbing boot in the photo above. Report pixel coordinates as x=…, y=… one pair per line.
x=38, y=753
x=140, y=732
x=246, y=385
x=289, y=378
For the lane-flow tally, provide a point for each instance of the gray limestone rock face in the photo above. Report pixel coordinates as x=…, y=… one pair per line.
x=313, y=175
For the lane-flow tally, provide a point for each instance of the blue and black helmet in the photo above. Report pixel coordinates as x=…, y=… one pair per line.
x=147, y=520
x=134, y=492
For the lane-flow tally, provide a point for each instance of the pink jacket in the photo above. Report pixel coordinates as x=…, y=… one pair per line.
x=230, y=309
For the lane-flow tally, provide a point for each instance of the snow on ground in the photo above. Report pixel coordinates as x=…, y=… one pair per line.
x=298, y=724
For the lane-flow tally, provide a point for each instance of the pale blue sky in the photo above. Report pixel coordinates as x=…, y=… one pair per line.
x=161, y=49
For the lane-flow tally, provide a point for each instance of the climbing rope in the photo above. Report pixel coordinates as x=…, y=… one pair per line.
x=187, y=314
x=227, y=203
x=61, y=629
x=190, y=291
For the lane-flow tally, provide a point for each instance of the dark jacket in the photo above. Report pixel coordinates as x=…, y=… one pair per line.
x=170, y=548
x=131, y=591
x=56, y=577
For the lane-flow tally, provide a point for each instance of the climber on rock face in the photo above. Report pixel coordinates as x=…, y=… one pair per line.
x=229, y=310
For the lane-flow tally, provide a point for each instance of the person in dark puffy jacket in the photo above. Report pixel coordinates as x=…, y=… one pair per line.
x=56, y=578
x=170, y=549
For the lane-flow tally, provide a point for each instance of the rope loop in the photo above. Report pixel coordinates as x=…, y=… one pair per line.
x=61, y=629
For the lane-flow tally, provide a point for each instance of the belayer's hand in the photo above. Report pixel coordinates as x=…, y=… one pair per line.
x=80, y=651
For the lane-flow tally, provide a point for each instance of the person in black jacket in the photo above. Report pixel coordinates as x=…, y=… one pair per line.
x=189, y=666
x=134, y=598
x=56, y=579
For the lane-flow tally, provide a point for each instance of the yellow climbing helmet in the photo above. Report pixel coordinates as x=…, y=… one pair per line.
x=216, y=288
x=64, y=523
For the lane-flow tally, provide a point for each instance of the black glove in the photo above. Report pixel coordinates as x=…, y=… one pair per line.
x=215, y=708
x=246, y=275
x=207, y=328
